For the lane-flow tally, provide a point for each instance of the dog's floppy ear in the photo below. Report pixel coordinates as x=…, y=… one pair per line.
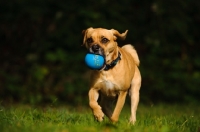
x=84, y=32
x=118, y=35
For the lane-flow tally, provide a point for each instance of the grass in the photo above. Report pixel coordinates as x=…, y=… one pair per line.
x=158, y=118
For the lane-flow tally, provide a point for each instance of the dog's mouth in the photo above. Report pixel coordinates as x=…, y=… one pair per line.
x=108, y=61
x=96, y=49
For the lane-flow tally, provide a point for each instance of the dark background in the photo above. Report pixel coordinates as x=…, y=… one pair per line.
x=42, y=61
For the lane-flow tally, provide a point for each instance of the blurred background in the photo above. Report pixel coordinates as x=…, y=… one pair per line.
x=42, y=60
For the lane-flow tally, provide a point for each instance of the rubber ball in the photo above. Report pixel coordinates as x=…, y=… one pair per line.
x=94, y=61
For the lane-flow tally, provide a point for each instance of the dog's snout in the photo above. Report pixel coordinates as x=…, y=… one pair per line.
x=95, y=47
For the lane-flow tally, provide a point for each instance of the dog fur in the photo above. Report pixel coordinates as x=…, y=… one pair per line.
x=115, y=83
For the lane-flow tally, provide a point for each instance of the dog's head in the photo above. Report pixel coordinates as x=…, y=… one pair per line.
x=103, y=41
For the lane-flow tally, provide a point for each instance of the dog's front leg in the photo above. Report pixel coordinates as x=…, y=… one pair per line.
x=119, y=106
x=96, y=108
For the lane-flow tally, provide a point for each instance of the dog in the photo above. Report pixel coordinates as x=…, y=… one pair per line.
x=119, y=75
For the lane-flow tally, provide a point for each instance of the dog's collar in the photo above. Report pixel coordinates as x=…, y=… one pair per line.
x=112, y=64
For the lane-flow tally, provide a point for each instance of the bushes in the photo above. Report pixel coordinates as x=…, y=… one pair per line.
x=42, y=58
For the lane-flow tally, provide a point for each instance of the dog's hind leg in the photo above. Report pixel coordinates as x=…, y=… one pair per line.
x=134, y=94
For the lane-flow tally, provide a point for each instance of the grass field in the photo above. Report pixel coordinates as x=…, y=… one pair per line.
x=156, y=118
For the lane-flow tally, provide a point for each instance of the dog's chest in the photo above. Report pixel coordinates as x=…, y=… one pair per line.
x=109, y=87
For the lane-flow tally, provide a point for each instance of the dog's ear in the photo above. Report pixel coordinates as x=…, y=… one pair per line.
x=118, y=35
x=84, y=33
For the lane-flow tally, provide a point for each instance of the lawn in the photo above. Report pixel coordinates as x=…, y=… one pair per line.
x=154, y=118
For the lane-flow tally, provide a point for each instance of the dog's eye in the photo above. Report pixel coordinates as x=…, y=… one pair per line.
x=104, y=40
x=89, y=40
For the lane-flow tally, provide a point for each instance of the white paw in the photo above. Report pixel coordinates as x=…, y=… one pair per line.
x=132, y=120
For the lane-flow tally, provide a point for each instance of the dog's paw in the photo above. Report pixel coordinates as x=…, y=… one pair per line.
x=114, y=119
x=132, y=121
x=98, y=115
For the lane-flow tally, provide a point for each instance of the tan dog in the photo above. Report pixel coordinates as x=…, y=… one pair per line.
x=119, y=75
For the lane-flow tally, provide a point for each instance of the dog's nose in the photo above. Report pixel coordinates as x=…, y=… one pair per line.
x=95, y=48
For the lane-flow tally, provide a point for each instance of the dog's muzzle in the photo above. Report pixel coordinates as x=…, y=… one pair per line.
x=96, y=49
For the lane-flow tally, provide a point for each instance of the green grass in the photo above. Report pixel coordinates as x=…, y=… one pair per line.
x=159, y=118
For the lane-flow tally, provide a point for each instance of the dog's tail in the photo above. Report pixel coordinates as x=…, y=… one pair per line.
x=130, y=49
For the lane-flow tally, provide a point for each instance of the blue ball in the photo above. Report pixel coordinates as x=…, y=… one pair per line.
x=94, y=61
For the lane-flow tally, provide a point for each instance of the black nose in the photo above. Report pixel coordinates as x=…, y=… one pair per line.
x=95, y=48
